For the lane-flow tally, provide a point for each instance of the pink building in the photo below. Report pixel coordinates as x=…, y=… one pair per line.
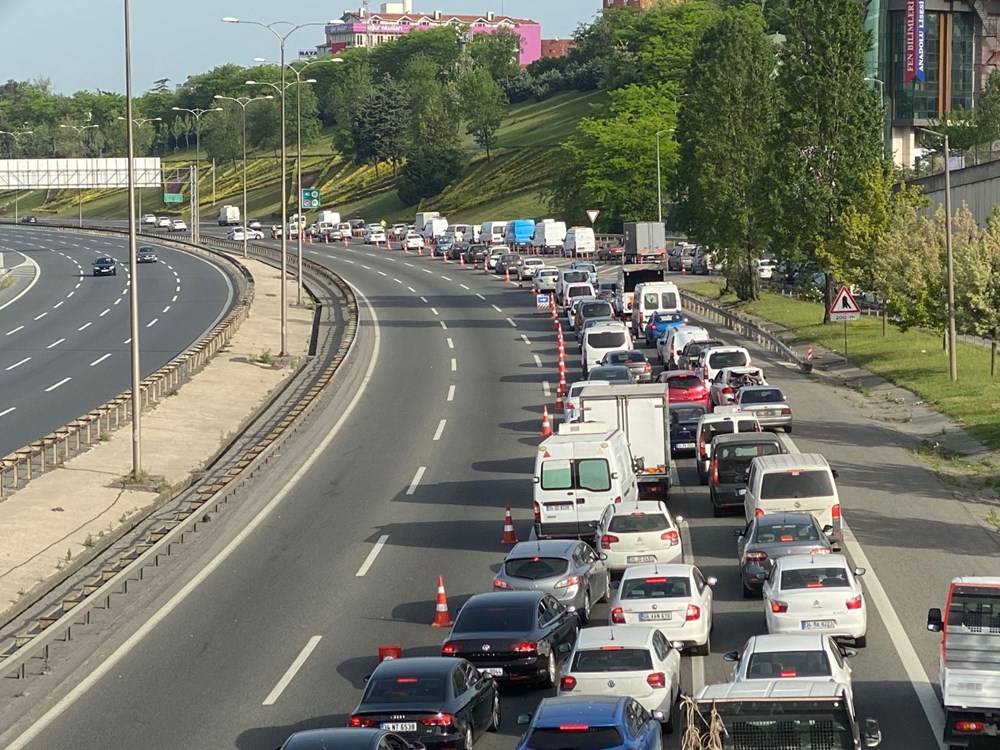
x=358, y=29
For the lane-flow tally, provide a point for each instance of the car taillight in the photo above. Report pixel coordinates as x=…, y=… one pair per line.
x=567, y=582
x=701, y=445
x=538, y=512
x=567, y=683
x=969, y=726
x=607, y=540
x=756, y=557
x=758, y=512
x=854, y=602
x=786, y=411
x=500, y=584
x=835, y=511
x=618, y=499
x=441, y=720
x=715, y=471
x=727, y=391
x=450, y=648
x=360, y=721
x=693, y=612
x=524, y=647
x=618, y=616
x=671, y=536
x=657, y=680
x=647, y=367
x=779, y=607
x=570, y=406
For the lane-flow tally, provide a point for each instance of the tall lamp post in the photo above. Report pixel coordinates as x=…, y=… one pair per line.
x=79, y=131
x=14, y=136
x=282, y=38
x=952, y=335
x=659, y=192
x=244, y=102
x=197, y=113
x=139, y=122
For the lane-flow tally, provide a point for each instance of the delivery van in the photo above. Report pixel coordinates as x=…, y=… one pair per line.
x=651, y=297
x=580, y=242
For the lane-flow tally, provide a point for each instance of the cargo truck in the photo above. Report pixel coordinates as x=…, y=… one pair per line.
x=628, y=278
x=645, y=241
x=423, y=217
x=970, y=659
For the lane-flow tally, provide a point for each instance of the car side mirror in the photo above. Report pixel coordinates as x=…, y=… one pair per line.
x=739, y=532
x=934, y=622
x=524, y=718
x=658, y=715
x=602, y=555
x=678, y=519
x=711, y=580
x=731, y=656
x=847, y=652
x=827, y=529
x=639, y=464
x=616, y=585
x=873, y=735
x=859, y=571
x=836, y=475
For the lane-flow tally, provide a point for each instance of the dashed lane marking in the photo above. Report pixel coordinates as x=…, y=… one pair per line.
x=538, y=360
x=440, y=430
x=286, y=678
x=451, y=393
x=100, y=359
x=366, y=565
x=18, y=364
x=416, y=480
x=61, y=382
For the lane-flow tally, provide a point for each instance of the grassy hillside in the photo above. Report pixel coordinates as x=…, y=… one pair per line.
x=514, y=182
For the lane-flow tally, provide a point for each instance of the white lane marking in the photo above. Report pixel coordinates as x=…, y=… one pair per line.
x=498, y=309
x=382, y=273
x=286, y=678
x=177, y=289
x=152, y=323
x=451, y=393
x=546, y=388
x=444, y=325
x=117, y=301
x=78, y=285
x=511, y=321
x=85, y=326
x=416, y=480
x=451, y=344
x=61, y=382
x=18, y=364
x=58, y=304
x=177, y=599
x=480, y=296
x=72, y=293
x=367, y=268
x=454, y=365
x=100, y=359
x=525, y=339
x=434, y=310
x=39, y=317
x=426, y=270
x=445, y=277
x=38, y=273
x=104, y=313
x=8, y=411
x=372, y=555
x=13, y=331
x=464, y=287
x=412, y=289
x=128, y=340
x=166, y=309
x=348, y=261
x=424, y=300
x=55, y=343
x=440, y=429
x=391, y=260
x=538, y=360
x=397, y=281
x=407, y=264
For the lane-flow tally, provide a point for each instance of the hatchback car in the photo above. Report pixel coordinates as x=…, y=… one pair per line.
x=636, y=662
x=640, y=367
x=590, y=308
x=638, y=533
x=729, y=380
x=570, y=570
x=768, y=538
x=684, y=418
x=253, y=224
x=545, y=279
x=591, y=722
x=712, y=359
x=731, y=457
x=676, y=599
x=658, y=324
x=105, y=266
x=768, y=404
x=343, y=738
x=414, y=241
x=436, y=701
x=691, y=352
x=685, y=387
x=673, y=340
x=607, y=290
x=145, y=254
x=514, y=636
x=611, y=374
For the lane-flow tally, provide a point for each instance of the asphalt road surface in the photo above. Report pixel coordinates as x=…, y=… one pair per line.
x=273, y=626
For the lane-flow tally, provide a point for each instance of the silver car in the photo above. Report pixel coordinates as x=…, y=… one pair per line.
x=768, y=537
x=570, y=570
x=768, y=404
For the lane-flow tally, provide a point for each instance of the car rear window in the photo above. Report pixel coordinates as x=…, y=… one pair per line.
x=534, y=568
x=637, y=522
x=683, y=382
x=578, y=738
x=691, y=414
x=590, y=474
x=762, y=396
x=512, y=618
x=765, y=666
x=656, y=587
x=606, y=339
x=670, y=317
x=779, y=485
x=712, y=429
x=405, y=689
x=718, y=360
x=746, y=453
x=814, y=577
x=570, y=276
x=595, y=309
x=612, y=659
x=613, y=374
x=786, y=532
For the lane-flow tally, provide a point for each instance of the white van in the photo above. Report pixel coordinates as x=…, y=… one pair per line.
x=456, y=233
x=579, y=471
x=794, y=483
x=651, y=297
x=577, y=289
x=569, y=276
x=492, y=232
x=599, y=339
x=580, y=242
x=434, y=228
x=674, y=342
x=549, y=236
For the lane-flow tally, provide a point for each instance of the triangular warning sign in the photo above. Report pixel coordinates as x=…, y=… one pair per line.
x=592, y=214
x=844, y=302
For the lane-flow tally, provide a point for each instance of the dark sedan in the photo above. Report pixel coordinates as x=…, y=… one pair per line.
x=515, y=636
x=29, y=220
x=685, y=387
x=105, y=266
x=476, y=255
x=437, y=701
x=348, y=739
x=634, y=360
x=692, y=350
x=458, y=250
x=768, y=537
x=684, y=428
x=731, y=457
x=145, y=254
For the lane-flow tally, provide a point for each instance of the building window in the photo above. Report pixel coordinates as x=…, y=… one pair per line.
x=962, y=60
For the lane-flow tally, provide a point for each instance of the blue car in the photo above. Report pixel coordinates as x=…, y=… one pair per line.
x=661, y=322
x=591, y=722
x=684, y=428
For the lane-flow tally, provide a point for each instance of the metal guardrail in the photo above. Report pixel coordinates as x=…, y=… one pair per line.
x=75, y=437
x=33, y=641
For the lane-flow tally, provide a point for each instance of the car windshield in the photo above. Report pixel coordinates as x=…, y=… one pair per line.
x=606, y=339
x=405, y=690
x=814, y=577
x=503, y=618
x=712, y=429
x=534, y=568
x=638, y=522
x=656, y=587
x=796, y=483
x=612, y=659
x=765, y=666
x=718, y=360
x=579, y=737
x=595, y=309
x=762, y=396
x=613, y=373
x=683, y=382
x=786, y=532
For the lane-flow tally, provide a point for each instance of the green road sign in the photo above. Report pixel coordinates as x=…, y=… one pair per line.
x=310, y=198
x=173, y=198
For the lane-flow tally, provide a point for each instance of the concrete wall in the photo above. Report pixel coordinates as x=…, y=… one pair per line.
x=978, y=187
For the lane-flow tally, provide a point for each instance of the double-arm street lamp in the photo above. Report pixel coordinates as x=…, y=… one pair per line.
x=139, y=122
x=14, y=136
x=282, y=38
x=244, y=102
x=79, y=131
x=659, y=193
x=197, y=113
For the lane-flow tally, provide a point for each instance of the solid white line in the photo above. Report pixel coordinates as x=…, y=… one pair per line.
x=525, y=339
x=152, y=323
x=177, y=599
x=464, y=287
x=104, y=313
x=451, y=344
x=546, y=388
x=416, y=480
x=38, y=273
x=511, y=321
x=100, y=359
x=538, y=361
x=498, y=309
x=444, y=325
x=61, y=382
x=454, y=365
x=434, y=310
x=372, y=555
x=440, y=429
x=480, y=296
x=310, y=646
x=451, y=393
x=15, y=330
x=18, y=364
x=55, y=343
x=39, y=317
x=85, y=326
x=58, y=304
x=7, y=411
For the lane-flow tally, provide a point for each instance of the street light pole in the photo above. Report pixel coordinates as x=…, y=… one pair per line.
x=197, y=113
x=79, y=131
x=659, y=193
x=244, y=102
x=139, y=122
x=14, y=136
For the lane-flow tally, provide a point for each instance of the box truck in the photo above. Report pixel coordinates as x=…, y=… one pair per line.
x=229, y=216
x=645, y=241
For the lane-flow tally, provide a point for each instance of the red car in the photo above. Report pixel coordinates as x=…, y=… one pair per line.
x=684, y=386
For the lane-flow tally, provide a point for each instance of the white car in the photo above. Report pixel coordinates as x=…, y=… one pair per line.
x=545, y=279
x=821, y=594
x=812, y=656
x=178, y=225
x=493, y=258
x=148, y=220
x=639, y=662
x=414, y=241
x=571, y=404
x=253, y=224
x=765, y=269
x=670, y=344
x=637, y=534
x=164, y=222
x=676, y=599
x=528, y=267
x=716, y=358
x=239, y=234
x=375, y=236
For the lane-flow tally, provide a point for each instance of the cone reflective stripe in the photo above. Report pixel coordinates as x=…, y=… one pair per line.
x=461, y=260
x=441, y=617
x=562, y=368
x=562, y=388
x=509, y=537
x=546, y=424
x=560, y=406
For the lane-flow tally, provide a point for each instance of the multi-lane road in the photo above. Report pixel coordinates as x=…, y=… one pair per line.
x=65, y=334
x=272, y=626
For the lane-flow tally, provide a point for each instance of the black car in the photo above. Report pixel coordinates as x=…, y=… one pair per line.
x=692, y=350
x=145, y=254
x=348, y=739
x=458, y=250
x=684, y=428
x=731, y=457
x=29, y=220
x=515, y=636
x=476, y=255
x=105, y=266
x=434, y=700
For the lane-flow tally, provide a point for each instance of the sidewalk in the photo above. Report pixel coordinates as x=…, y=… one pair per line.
x=61, y=515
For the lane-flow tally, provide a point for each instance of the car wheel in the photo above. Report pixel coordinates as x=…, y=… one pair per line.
x=585, y=611
x=495, y=718
x=549, y=679
x=668, y=725
x=788, y=429
x=702, y=477
x=467, y=742
x=861, y=642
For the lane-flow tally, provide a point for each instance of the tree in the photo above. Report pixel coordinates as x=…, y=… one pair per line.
x=427, y=172
x=724, y=124
x=484, y=105
x=987, y=111
x=498, y=53
x=345, y=98
x=222, y=134
x=440, y=45
x=378, y=130
x=987, y=297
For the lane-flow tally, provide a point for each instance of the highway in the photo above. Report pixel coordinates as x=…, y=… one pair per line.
x=64, y=341
x=404, y=476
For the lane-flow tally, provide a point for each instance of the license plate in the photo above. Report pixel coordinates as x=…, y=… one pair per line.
x=685, y=446
x=640, y=558
x=818, y=624
x=559, y=506
x=769, y=413
x=653, y=616
x=492, y=671
x=741, y=492
x=400, y=726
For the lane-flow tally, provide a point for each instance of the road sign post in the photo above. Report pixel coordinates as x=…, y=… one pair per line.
x=844, y=308
x=310, y=198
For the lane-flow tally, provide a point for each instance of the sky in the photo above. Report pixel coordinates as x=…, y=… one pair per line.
x=79, y=44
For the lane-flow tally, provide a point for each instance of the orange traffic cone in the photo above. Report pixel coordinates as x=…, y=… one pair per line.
x=506, y=276
x=441, y=617
x=559, y=402
x=461, y=260
x=562, y=387
x=546, y=424
x=509, y=537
